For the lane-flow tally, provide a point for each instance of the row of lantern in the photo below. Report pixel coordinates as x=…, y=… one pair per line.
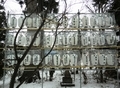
x=23, y=39
x=96, y=38
x=95, y=21
x=86, y=39
x=30, y=22
x=75, y=21
x=35, y=59
x=66, y=59
x=98, y=59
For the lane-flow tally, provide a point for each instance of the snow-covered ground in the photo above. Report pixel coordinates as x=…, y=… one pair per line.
x=92, y=83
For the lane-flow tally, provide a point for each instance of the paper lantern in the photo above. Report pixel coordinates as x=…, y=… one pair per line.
x=73, y=59
x=85, y=21
x=66, y=59
x=102, y=59
x=57, y=60
x=48, y=60
x=94, y=59
x=36, y=59
x=20, y=21
x=27, y=60
x=85, y=58
x=13, y=22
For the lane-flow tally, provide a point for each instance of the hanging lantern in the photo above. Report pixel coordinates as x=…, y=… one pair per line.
x=85, y=58
x=66, y=59
x=65, y=22
x=73, y=59
x=65, y=39
x=92, y=22
x=10, y=39
x=94, y=59
x=107, y=21
x=20, y=21
x=110, y=39
x=110, y=59
x=100, y=21
x=85, y=40
x=75, y=22
x=21, y=40
x=34, y=22
x=73, y=39
x=48, y=60
x=101, y=40
x=13, y=22
x=39, y=21
x=28, y=40
x=58, y=40
x=57, y=60
x=48, y=40
x=36, y=59
x=27, y=60
x=85, y=22
x=102, y=59
x=93, y=40
x=29, y=22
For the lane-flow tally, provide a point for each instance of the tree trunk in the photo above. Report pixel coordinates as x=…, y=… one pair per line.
x=14, y=76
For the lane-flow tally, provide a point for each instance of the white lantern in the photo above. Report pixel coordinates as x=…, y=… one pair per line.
x=85, y=58
x=85, y=21
x=110, y=39
x=94, y=59
x=107, y=21
x=20, y=21
x=65, y=40
x=75, y=21
x=73, y=59
x=65, y=22
x=36, y=59
x=21, y=40
x=58, y=40
x=111, y=21
x=84, y=40
x=29, y=22
x=100, y=21
x=57, y=60
x=92, y=22
x=74, y=39
x=10, y=39
x=48, y=40
x=28, y=40
x=48, y=60
x=27, y=60
x=34, y=22
x=102, y=59
x=13, y=22
x=66, y=59
x=93, y=40
x=101, y=39
x=39, y=21
x=110, y=59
